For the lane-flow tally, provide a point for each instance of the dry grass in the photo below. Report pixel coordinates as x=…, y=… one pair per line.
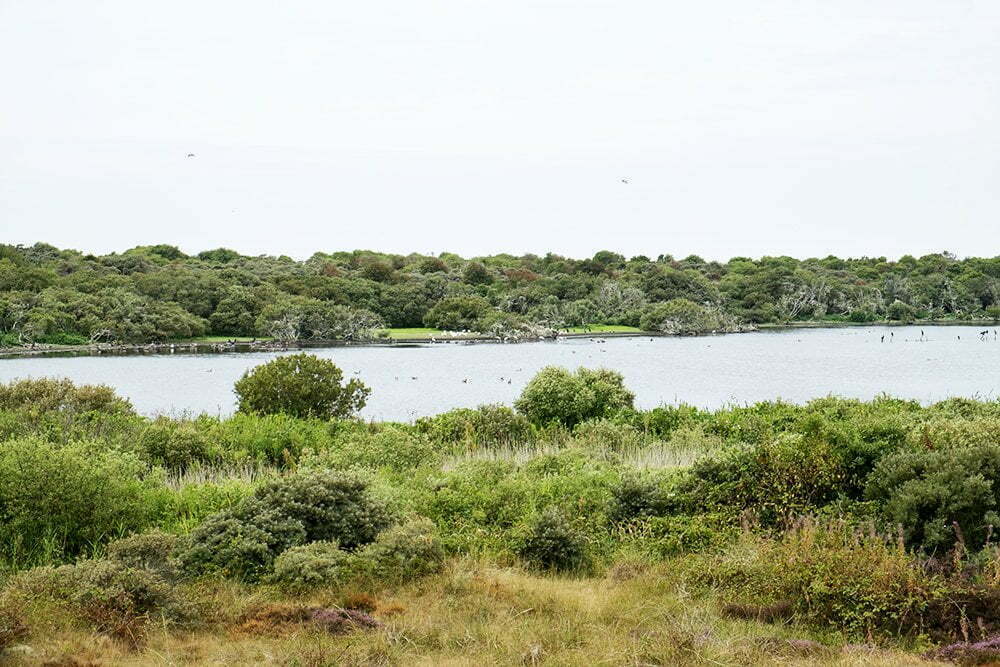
x=473, y=614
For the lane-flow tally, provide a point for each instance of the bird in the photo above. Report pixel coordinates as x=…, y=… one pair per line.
x=625, y=181
x=190, y=154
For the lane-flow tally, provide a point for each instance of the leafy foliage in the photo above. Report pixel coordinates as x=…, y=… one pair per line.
x=556, y=395
x=301, y=385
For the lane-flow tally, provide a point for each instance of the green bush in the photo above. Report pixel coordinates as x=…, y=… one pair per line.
x=329, y=505
x=153, y=550
x=60, y=501
x=406, y=551
x=301, y=385
x=552, y=542
x=636, y=497
x=240, y=543
x=277, y=439
x=929, y=493
x=837, y=576
x=901, y=312
x=487, y=425
x=119, y=599
x=319, y=564
x=782, y=478
x=284, y=513
x=175, y=444
x=556, y=395
x=110, y=596
x=49, y=395
x=394, y=447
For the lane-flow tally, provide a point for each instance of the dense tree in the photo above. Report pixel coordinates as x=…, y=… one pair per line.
x=157, y=292
x=301, y=385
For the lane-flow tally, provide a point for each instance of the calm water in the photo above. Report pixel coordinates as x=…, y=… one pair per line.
x=795, y=365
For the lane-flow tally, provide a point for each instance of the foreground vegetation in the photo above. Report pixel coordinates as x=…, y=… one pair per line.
x=158, y=293
x=570, y=529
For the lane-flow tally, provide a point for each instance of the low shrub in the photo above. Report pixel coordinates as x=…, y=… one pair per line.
x=406, y=551
x=175, y=444
x=929, y=493
x=240, y=543
x=111, y=596
x=153, y=550
x=329, y=505
x=487, y=426
x=393, y=447
x=57, y=502
x=305, y=507
x=552, y=542
x=276, y=439
x=778, y=479
x=319, y=564
x=834, y=575
x=118, y=599
x=637, y=496
x=50, y=395
x=556, y=395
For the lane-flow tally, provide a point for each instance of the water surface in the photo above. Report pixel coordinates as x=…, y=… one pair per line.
x=408, y=382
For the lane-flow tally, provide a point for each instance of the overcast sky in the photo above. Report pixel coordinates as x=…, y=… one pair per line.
x=801, y=127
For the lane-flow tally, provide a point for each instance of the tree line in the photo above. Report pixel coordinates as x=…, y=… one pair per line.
x=157, y=293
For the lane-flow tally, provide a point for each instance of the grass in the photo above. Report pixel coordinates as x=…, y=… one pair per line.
x=474, y=613
x=412, y=332
x=221, y=339
x=605, y=328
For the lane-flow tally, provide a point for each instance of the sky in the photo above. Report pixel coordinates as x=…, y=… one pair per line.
x=798, y=127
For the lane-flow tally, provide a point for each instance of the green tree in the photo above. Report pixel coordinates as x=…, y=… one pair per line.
x=301, y=385
x=557, y=395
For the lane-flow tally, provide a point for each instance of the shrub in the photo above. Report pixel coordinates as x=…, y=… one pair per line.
x=301, y=385
x=900, y=311
x=119, y=600
x=111, y=596
x=555, y=395
x=175, y=444
x=928, y=493
x=277, y=439
x=329, y=505
x=782, y=478
x=315, y=565
x=834, y=575
x=487, y=425
x=47, y=394
x=57, y=502
x=284, y=513
x=457, y=313
x=636, y=497
x=684, y=317
x=405, y=552
x=153, y=550
x=395, y=447
x=551, y=542
x=240, y=543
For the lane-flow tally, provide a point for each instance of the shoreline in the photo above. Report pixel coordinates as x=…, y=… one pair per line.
x=206, y=347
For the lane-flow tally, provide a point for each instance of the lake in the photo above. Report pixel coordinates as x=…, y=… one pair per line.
x=408, y=382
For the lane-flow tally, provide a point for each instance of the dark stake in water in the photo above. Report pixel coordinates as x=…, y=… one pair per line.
x=794, y=365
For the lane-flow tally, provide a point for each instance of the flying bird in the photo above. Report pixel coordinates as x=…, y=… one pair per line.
x=625, y=181
x=190, y=154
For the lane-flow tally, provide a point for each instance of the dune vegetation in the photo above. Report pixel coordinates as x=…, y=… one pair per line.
x=569, y=529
